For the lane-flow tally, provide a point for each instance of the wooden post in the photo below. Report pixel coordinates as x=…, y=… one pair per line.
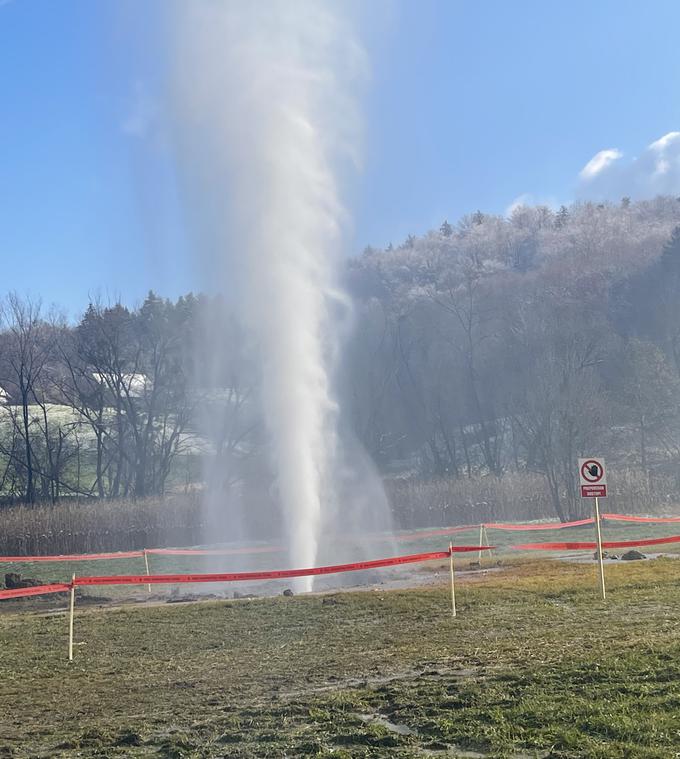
x=453, y=581
x=599, y=547
x=486, y=541
x=481, y=543
x=146, y=564
x=70, y=620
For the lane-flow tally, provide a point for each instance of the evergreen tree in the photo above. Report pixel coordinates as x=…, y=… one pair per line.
x=562, y=217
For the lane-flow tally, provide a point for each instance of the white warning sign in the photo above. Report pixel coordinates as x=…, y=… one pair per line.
x=593, y=477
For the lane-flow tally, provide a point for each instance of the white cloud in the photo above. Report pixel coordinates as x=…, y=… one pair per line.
x=527, y=199
x=664, y=142
x=656, y=171
x=599, y=162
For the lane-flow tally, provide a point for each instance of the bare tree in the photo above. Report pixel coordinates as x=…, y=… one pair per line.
x=28, y=342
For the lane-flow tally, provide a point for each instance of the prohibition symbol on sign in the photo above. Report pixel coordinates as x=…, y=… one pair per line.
x=591, y=471
x=593, y=478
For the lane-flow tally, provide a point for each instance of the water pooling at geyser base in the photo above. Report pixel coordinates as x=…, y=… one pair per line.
x=266, y=119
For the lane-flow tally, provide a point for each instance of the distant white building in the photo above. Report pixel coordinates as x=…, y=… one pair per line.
x=135, y=384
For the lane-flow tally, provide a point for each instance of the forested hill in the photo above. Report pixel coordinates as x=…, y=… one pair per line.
x=523, y=342
x=495, y=346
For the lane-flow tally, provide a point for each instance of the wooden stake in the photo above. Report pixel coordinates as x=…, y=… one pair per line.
x=599, y=547
x=486, y=541
x=70, y=621
x=146, y=564
x=481, y=543
x=453, y=581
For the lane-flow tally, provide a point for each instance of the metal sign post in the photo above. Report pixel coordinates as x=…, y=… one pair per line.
x=453, y=581
x=599, y=547
x=72, y=607
x=593, y=478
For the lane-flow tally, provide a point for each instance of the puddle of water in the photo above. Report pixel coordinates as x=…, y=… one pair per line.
x=393, y=727
x=450, y=750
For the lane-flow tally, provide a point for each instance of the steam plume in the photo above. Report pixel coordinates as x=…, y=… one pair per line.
x=263, y=92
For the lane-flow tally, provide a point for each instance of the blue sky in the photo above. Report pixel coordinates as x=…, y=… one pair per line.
x=470, y=105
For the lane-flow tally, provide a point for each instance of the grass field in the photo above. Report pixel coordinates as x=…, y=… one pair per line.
x=534, y=666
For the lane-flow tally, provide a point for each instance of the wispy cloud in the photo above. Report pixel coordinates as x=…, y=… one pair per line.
x=599, y=162
x=664, y=142
x=527, y=199
x=610, y=174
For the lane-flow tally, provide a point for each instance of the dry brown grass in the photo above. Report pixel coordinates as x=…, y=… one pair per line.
x=518, y=496
x=91, y=526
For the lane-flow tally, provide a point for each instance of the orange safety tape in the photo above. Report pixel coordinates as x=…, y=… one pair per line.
x=272, y=574
x=591, y=546
x=625, y=518
x=73, y=557
x=213, y=551
x=540, y=526
x=37, y=590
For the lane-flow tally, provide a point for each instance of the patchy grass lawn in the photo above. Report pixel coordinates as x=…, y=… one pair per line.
x=534, y=666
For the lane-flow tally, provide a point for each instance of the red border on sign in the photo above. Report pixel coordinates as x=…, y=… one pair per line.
x=584, y=470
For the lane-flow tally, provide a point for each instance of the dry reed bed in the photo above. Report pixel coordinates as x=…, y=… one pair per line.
x=117, y=525
x=91, y=526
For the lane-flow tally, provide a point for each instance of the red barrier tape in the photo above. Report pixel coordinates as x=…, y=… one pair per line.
x=592, y=546
x=201, y=551
x=434, y=533
x=625, y=518
x=38, y=590
x=213, y=551
x=540, y=526
x=279, y=574
x=74, y=557
x=275, y=549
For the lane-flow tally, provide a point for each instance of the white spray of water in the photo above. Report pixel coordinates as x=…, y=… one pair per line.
x=264, y=85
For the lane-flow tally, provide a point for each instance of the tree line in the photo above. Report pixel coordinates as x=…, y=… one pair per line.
x=490, y=346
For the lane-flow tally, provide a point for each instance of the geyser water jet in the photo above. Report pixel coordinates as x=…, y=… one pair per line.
x=268, y=121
